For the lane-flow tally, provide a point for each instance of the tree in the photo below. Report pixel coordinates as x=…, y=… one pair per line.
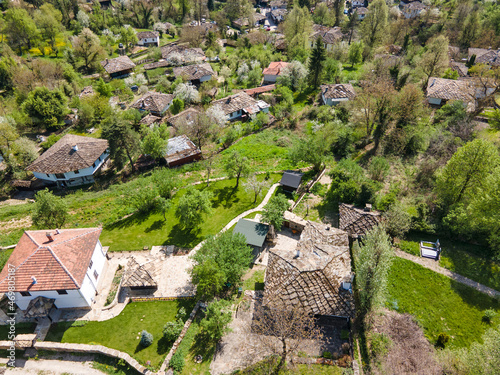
x=466, y=172
x=177, y=106
x=20, y=28
x=45, y=106
x=237, y=166
x=165, y=182
x=274, y=210
x=8, y=134
x=49, y=210
x=192, y=205
x=323, y=16
x=291, y=327
x=187, y=93
x=397, y=220
x=311, y=150
x=123, y=140
x=172, y=330
x=434, y=60
x=143, y=12
x=83, y=18
x=146, y=338
x=128, y=37
x=375, y=23
x=297, y=28
x=153, y=144
x=200, y=129
x=217, y=115
x=351, y=24
x=217, y=318
x=228, y=256
x=409, y=105
x=316, y=61
x=356, y=53
x=372, y=260
x=253, y=185
x=48, y=19
x=210, y=5
x=87, y=47
x=293, y=76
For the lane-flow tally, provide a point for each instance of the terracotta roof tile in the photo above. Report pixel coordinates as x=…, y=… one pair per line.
x=275, y=68
x=62, y=157
x=58, y=264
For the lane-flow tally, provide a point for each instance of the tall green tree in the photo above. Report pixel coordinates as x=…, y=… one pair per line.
x=375, y=23
x=311, y=150
x=153, y=144
x=355, y=55
x=316, y=62
x=20, y=28
x=192, y=205
x=372, y=259
x=123, y=140
x=274, y=210
x=434, y=60
x=49, y=211
x=237, y=166
x=466, y=172
x=87, y=47
x=45, y=106
x=228, y=256
x=216, y=322
x=297, y=28
x=128, y=37
x=49, y=22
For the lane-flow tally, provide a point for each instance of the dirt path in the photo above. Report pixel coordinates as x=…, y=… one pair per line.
x=53, y=367
x=434, y=266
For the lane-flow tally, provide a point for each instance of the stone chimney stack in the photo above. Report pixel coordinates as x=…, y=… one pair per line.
x=49, y=236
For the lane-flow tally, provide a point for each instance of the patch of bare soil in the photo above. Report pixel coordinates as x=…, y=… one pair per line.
x=25, y=222
x=409, y=352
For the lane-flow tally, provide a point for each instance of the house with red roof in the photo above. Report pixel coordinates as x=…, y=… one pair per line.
x=62, y=265
x=272, y=72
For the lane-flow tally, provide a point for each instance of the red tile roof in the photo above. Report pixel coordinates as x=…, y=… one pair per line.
x=260, y=90
x=58, y=264
x=274, y=68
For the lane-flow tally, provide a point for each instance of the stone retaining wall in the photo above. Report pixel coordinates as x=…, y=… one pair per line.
x=177, y=342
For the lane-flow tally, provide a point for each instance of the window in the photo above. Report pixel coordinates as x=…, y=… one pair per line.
x=96, y=275
x=60, y=175
x=62, y=291
x=76, y=172
x=90, y=265
x=25, y=294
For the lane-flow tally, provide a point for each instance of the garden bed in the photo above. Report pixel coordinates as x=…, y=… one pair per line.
x=115, y=285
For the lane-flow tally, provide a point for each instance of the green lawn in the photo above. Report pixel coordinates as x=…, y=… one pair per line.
x=137, y=231
x=193, y=345
x=122, y=331
x=21, y=328
x=438, y=303
x=465, y=259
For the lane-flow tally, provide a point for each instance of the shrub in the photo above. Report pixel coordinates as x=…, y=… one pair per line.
x=379, y=345
x=177, y=362
x=442, y=340
x=172, y=330
x=327, y=355
x=489, y=315
x=146, y=338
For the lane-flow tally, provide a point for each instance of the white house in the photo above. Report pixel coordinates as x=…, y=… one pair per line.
x=442, y=90
x=358, y=3
x=71, y=161
x=334, y=94
x=272, y=72
x=328, y=35
x=148, y=38
x=241, y=104
x=65, y=265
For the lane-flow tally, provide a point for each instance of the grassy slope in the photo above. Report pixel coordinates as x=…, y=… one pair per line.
x=438, y=303
x=460, y=257
x=120, y=332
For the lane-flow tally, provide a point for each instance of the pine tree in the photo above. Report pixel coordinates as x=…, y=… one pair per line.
x=318, y=57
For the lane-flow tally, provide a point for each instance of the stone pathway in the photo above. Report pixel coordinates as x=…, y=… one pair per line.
x=434, y=266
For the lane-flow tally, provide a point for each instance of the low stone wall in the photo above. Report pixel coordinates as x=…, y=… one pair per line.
x=148, y=299
x=177, y=342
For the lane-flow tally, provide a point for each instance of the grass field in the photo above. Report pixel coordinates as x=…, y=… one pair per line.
x=465, y=259
x=122, y=331
x=438, y=303
x=21, y=328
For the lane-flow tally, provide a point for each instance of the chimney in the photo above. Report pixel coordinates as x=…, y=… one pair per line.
x=49, y=236
x=368, y=207
x=298, y=254
x=58, y=231
x=33, y=278
x=74, y=148
x=327, y=228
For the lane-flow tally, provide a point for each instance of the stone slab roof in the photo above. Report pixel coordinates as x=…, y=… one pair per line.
x=153, y=101
x=254, y=232
x=235, y=102
x=460, y=68
x=329, y=35
x=179, y=148
x=310, y=276
x=450, y=89
x=243, y=21
x=357, y=221
x=58, y=264
x=118, y=64
x=64, y=157
x=39, y=307
x=186, y=54
x=338, y=91
x=187, y=116
x=193, y=72
x=87, y=91
x=140, y=275
x=147, y=34
x=150, y=119
x=415, y=5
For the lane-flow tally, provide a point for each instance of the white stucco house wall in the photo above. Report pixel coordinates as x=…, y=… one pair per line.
x=148, y=38
x=336, y=93
x=73, y=160
x=65, y=265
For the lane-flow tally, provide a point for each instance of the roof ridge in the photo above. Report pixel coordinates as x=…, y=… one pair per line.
x=62, y=265
x=77, y=236
x=31, y=238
